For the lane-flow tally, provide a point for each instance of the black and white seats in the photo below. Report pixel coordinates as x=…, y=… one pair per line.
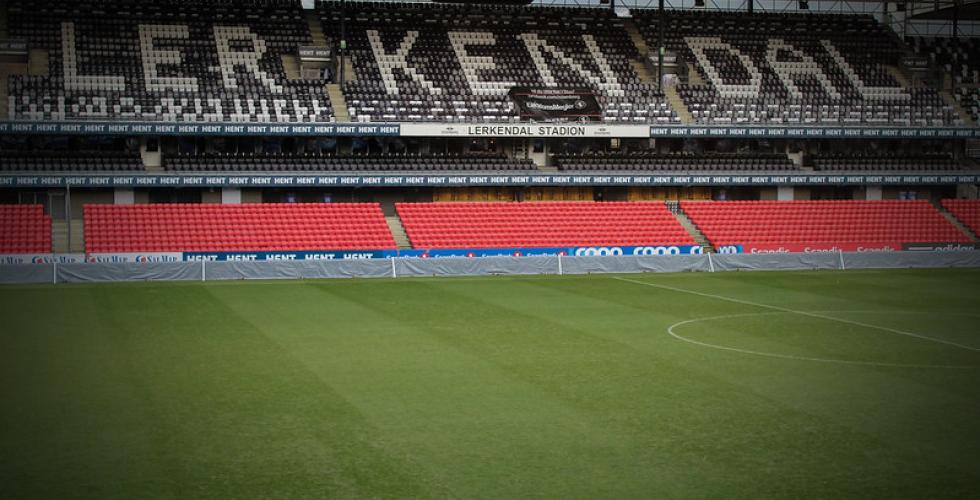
x=420, y=62
x=960, y=58
x=164, y=60
x=791, y=68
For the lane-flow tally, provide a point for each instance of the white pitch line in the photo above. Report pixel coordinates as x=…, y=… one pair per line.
x=670, y=330
x=802, y=313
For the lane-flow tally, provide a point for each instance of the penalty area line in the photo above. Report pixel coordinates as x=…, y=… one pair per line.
x=673, y=333
x=802, y=313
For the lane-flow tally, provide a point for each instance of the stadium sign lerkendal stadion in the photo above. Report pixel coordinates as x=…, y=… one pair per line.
x=416, y=129
x=444, y=180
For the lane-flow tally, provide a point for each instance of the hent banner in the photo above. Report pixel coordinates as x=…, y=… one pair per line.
x=281, y=256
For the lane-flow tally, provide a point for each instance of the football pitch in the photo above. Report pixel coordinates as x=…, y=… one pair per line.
x=850, y=384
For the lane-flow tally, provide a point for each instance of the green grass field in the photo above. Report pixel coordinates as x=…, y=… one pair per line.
x=794, y=385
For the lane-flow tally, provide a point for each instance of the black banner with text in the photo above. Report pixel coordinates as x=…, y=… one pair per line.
x=551, y=104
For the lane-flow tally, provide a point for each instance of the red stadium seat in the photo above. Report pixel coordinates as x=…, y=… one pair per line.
x=230, y=228
x=24, y=229
x=821, y=224
x=967, y=211
x=540, y=224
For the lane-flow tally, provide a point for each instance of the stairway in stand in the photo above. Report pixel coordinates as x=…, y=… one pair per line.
x=690, y=227
x=640, y=65
x=59, y=237
x=677, y=104
x=38, y=62
x=290, y=66
x=316, y=29
x=339, y=102
x=398, y=232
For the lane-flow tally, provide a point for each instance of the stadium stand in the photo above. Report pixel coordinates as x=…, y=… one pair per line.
x=257, y=162
x=885, y=162
x=69, y=161
x=793, y=68
x=461, y=66
x=966, y=211
x=164, y=60
x=969, y=99
x=959, y=58
x=695, y=162
x=24, y=229
x=228, y=228
x=540, y=224
x=847, y=225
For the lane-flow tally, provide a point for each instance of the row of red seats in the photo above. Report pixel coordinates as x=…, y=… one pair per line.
x=835, y=222
x=967, y=211
x=226, y=228
x=24, y=229
x=540, y=224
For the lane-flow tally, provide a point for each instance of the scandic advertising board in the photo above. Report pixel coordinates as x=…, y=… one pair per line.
x=868, y=246
x=380, y=254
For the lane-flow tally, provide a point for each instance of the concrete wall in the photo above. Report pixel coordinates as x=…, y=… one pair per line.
x=211, y=196
x=231, y=196
x=251, y=196
x=969, y=191
x=80, y=198
x=151, y=159
x=123, y=196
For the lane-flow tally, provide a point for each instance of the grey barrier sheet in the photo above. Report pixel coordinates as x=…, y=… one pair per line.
x=26, y=273
x=635, y=264
x=128, y=271
x=895, y=260
x=300, y=269
x=476, y=266
x=776, y=261
x=416, y=267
